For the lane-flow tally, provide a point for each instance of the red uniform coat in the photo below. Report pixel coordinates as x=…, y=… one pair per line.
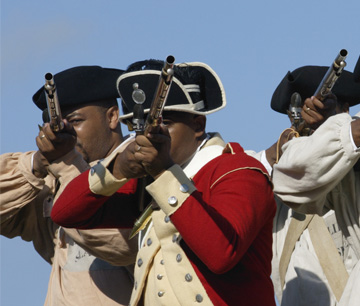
x=225, y=224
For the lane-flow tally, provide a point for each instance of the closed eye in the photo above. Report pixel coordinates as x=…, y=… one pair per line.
x=75, y=121
x=167, y=122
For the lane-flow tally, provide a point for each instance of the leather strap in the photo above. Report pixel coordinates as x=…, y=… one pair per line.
x=328, y=255
x=297, y=226
x=325, y=249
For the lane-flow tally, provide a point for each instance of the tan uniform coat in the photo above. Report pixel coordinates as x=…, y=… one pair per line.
x=77, y=277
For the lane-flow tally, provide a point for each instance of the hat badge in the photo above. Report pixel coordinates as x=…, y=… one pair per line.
x=138, y=95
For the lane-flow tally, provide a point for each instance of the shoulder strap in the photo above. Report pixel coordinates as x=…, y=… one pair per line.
x=297, y=225
x=328, y=255
x=325, y=249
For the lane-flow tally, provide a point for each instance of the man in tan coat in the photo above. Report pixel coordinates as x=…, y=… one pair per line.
x=30, y=181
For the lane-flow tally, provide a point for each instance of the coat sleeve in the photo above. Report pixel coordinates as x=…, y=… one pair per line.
x=22, y=197
x=312, y=166
x=109, y=244
x=20, y=187
x=17, y=183
x=21, y=205
x=79, y=207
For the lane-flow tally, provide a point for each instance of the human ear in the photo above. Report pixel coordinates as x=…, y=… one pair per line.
x=199, y=125
x=112, y=115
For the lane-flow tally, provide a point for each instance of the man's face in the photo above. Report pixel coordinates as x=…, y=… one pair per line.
x=92, y=130
x=185, y=135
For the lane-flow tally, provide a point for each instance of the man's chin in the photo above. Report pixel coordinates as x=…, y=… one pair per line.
x=83, y=153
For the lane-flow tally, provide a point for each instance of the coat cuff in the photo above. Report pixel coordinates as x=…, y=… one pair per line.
x=25, y=166
x=346, y=138
x=171, y=189
x=68, y=166
x=101, y=180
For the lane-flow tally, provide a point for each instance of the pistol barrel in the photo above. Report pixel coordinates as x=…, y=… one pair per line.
x=161, y=94
x=52, y=102
x=331, y=75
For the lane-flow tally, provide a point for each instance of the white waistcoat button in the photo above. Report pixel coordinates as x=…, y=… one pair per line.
x=178, y=257
x=172, y=200
x=140, y=262
x=184, y=188
x=161, y=293
x=188, y=277
x=199, y=298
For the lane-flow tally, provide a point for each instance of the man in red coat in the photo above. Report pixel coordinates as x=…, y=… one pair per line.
x=208, y=237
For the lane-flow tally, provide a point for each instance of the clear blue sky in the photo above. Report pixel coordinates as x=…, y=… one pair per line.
x=250, y=44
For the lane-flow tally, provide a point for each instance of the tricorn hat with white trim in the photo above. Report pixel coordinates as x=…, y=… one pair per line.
x=196, y=88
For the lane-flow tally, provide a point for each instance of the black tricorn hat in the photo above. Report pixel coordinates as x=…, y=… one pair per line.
x=305, y=80
x=202, y=96
x=82, y=84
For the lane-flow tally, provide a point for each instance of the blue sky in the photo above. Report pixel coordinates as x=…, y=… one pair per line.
x=251, y=45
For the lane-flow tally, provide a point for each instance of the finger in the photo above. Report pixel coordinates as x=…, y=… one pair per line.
x=306, y=111
x=160, y=129
x=42, y=135
x=330, y=102
x=49, y=134
x=38, y=141
x=161, y=137
x=43, y=143
x=153, y=129
x=312, y=106
x=41, y=138
x=156, y=139
x=137, y=148
x=317, y=104
x=142, y=141
x=311, y=117
x=305, y=115
x=309, y=104
x=142, y=153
